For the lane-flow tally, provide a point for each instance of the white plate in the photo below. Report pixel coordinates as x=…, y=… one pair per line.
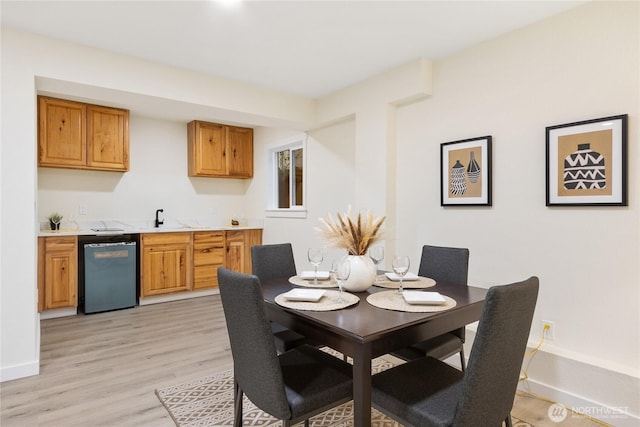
x=311, y=295
x=407, y=277
x=309, y=275
x=421, y=297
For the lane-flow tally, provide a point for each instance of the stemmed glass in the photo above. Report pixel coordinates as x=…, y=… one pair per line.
x=400, y=266
x=341, y=269
x=315, y=255
x=376, y=253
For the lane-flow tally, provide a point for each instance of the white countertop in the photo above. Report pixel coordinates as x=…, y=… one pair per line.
x=130, y=227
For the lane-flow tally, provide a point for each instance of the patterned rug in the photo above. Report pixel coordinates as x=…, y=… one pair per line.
x=208, y=402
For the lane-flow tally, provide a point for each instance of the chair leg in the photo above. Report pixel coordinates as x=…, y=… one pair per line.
x=507, y=421
x=306, y=422
x=237, y=400
x=462, y=364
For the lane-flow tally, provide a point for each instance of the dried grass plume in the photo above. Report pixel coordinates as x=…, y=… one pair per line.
x=354, y=235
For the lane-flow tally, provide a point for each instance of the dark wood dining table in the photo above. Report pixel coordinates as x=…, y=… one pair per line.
x=364, y=332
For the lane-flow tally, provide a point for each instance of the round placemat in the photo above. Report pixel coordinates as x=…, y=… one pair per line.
x=420, y=283
x=392, y=300
x=299, y=281
x=328, y=302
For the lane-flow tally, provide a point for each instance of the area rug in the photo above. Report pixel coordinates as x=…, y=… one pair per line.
x=208, y=402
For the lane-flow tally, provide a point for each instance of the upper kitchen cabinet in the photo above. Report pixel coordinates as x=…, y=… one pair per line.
x=82, y=136
x=216, y=150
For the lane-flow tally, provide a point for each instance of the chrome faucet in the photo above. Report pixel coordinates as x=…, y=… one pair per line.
x=158, y=222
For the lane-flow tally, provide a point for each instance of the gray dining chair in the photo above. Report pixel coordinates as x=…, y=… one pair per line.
x=443, y=264
x=429, y=392
x=272, y=262
x=292, y=386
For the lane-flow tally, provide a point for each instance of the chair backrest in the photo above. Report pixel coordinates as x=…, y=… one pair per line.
x=255, y=363
x=273, y=261
x=492, y=374
x=445, y=264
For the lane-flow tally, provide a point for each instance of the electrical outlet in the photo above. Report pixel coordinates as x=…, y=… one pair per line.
x=82, y=210
x=548, y=330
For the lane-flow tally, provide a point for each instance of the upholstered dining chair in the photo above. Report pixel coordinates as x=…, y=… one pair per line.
x=292, y=386
x=272, y=262
x=429, y=392
x=447, y=265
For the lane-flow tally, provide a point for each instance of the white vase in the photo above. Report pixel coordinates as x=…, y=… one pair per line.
x=363, y=273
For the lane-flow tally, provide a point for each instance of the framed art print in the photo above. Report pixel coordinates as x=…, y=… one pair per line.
x=465, y=172
x=586, y=163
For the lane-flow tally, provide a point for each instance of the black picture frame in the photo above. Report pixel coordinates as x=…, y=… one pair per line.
x=465, y=172
x=586, y=163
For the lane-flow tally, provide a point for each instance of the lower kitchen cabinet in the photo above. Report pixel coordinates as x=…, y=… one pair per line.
x=238, y=248
x=166, y=262
x=177, y=262
x=57, y=272
x=169, y=263
x=208, y=255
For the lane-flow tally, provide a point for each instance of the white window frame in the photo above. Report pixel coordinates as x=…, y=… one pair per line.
x=293, y=143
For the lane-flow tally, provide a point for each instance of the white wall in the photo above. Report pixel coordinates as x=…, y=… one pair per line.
x=577, y=66
x=587, y=258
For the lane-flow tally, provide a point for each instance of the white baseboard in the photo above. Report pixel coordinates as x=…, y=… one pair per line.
x=20, y=371
x=58, y=312
x=178, y=296
x=614, y=416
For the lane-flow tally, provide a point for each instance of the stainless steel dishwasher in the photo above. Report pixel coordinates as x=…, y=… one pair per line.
x=108, y=272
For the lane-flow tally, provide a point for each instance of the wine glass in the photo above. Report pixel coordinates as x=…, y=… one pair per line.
x=376, y=253
x=342, y=270
x=315, y=256
x=400, y=266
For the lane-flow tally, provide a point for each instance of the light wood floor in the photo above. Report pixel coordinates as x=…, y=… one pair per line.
x=102, y=369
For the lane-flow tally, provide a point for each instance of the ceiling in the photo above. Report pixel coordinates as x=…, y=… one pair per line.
x=310, y=48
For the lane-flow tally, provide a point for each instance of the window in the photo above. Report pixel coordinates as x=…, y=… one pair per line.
x=288, y=177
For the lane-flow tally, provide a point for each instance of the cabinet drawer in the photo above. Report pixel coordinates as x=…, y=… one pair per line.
x=66, y=243
x=215, y=238
x=207, y=254
x=165, y=238
x=235, y=236
x=205, y=277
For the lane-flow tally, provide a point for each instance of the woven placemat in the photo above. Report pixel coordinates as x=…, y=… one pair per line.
x=420, y=283
x=392, y=300
x=328, y=302
x=299, y=281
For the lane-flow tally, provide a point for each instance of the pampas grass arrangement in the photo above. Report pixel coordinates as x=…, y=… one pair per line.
x=354, y=235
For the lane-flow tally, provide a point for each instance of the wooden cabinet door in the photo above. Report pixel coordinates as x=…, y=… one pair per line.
x=208, y=255
x=108, y=138
x=206, y=149
x=61, y=133
x=166, y=263
x=235, y=247
x=238, y=245
x=60, y=279
x=240, y=152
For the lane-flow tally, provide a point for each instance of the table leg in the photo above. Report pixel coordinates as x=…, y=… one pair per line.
x=362, y=387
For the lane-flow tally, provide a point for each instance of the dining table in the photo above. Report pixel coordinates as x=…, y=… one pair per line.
x=363, y=331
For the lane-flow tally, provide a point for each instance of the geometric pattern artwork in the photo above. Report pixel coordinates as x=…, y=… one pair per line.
x=584, y=169
x=208, y=401
x=465, y=172
x=586, y=163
